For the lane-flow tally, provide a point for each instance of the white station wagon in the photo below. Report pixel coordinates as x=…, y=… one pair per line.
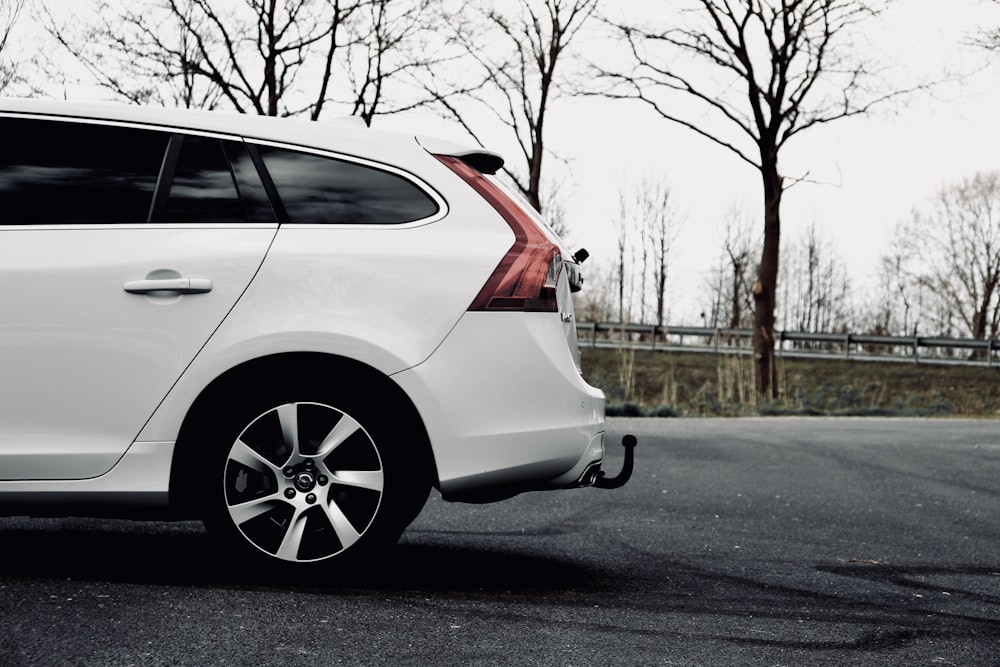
x=292, y=330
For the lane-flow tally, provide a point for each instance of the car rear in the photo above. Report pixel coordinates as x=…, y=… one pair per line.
x=502, y=397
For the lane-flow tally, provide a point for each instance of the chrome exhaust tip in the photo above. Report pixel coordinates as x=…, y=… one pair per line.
x=590, y=475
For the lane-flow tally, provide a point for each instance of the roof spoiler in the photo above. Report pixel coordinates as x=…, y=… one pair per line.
x=480, y=159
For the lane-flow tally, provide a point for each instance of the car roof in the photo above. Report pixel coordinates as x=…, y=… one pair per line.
x=341, y=135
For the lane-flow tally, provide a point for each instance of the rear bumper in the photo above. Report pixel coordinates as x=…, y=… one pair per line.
x=506, y=409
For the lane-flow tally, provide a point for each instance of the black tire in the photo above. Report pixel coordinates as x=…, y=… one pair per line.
x=308, y=477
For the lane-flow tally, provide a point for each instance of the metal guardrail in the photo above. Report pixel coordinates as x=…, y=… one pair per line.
x=849, y=346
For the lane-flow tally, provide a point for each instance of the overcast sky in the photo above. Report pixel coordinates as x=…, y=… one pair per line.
x=875, y=169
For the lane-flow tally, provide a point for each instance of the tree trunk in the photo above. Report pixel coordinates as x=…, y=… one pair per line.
x=764, y=291
x=534, y=191
x=736, y=313
x=661, y=287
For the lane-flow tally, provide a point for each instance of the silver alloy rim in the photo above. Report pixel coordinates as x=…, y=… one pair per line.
x=303, y=482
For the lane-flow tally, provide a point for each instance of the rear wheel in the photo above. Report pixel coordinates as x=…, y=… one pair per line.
x=303, y=483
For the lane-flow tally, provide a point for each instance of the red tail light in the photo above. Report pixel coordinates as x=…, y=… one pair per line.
x=526, y=278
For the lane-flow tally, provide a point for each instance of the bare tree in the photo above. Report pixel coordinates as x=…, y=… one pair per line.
x=554, y=202
x=729, y=286
x=816, y=297
x=750, y=75
x=597, y=303
x=896, y=307
x=658, y=221
x=512, y=59
x=988, y=38
x=268, y=57
x=10, y=11
x=624, y=264
x=957, y=243
x=142, y=54
x=397, y=39
x=648, y=222
x=557, y=218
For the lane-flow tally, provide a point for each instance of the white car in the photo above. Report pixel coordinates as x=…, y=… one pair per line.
x=290, y=329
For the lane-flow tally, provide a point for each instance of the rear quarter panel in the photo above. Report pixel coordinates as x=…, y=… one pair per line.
x=382, y=295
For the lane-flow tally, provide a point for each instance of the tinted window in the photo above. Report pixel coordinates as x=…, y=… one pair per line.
x=203, y=189
x=317, y=189
x=57, y=172
x=255, y=199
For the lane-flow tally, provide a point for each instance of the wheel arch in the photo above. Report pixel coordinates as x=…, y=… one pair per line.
x=289, y=368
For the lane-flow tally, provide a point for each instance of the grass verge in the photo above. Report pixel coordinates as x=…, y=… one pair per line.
x=667, y=384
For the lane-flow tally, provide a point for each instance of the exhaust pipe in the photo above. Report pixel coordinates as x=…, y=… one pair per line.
x=604, y=482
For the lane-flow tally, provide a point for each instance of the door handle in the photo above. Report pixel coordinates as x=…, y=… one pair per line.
x=178, y=285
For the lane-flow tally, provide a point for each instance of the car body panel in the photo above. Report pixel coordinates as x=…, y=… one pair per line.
x=137, y=486
x=520, y=417
x=84, y=362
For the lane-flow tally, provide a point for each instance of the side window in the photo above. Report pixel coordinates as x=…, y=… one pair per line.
x=213, y=180
x=255, y=199
x=316, y=189
x=203, y=189
x=61, y=172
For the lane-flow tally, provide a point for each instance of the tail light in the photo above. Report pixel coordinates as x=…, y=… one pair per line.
x=526, y=278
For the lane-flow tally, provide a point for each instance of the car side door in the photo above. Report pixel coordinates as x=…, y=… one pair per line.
x=122, y=249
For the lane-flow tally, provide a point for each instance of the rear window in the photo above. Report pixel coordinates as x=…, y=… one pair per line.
x=60, y=172
x=323, y=190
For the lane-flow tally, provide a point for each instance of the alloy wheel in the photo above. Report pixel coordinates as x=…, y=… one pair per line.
x=303, y=482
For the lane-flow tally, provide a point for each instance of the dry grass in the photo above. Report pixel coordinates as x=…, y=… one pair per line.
x=665, y=383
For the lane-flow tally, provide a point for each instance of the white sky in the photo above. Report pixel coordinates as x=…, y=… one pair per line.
x=878, y=167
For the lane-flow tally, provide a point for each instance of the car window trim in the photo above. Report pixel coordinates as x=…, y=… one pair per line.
x=265, y=178
x=158, y=206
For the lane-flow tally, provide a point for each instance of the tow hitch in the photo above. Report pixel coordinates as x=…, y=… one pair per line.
x=604, y=482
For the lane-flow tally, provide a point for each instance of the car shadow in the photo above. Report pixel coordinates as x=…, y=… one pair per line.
x=872, y=607
x=183, y=554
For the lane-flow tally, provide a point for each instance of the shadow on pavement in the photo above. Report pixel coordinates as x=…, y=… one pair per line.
x=820, y=607
x=182, y=553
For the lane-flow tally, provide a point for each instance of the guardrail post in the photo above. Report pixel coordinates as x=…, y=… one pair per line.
x=916, y=349
x=593, y=335
x=847, y=346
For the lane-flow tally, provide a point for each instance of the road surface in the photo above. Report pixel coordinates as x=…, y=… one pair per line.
x=738, y=542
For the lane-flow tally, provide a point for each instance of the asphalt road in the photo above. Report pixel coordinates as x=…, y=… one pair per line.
x=738, y=542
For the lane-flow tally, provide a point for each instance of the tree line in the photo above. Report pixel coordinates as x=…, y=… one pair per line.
x=750, y=76
x=940, y=274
